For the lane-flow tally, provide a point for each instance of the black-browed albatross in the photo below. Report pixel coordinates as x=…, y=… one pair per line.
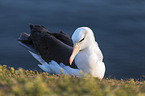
x=55, y=52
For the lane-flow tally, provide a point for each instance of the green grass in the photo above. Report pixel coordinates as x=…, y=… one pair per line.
x=31, y=83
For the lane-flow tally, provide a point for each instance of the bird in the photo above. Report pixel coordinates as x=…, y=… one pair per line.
x=57, y=51
x=87, y=54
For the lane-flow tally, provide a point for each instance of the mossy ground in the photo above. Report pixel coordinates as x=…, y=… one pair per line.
x=31, y=83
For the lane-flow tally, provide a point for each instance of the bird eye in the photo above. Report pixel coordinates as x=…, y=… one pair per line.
x=82, y=39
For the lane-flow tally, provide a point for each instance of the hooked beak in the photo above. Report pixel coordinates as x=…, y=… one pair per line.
x=74, y=53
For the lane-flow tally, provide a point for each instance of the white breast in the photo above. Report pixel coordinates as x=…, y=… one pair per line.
x=89, y=60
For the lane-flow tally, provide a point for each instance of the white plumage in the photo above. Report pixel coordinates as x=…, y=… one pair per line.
x=55, y=68
x=89, y=57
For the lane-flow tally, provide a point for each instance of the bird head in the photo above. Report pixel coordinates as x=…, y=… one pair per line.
x=82, y=38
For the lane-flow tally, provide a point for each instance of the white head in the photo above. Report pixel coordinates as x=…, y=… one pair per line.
x=82, y=38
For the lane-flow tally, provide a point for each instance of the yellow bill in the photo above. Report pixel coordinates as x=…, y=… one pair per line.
x=74, y=53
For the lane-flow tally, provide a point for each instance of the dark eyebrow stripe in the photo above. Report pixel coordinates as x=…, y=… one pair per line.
x=82, y=39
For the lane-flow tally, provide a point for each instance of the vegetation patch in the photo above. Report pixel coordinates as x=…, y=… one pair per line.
x=31, y=83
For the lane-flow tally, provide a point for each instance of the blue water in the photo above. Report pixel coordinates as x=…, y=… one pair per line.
x=119, y=28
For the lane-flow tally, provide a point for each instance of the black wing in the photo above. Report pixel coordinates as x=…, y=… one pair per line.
x=51, y=46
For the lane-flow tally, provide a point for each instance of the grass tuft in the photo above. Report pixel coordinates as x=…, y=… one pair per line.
x=32, y=83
